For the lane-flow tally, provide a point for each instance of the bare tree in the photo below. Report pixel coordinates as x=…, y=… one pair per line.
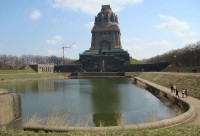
x=187, y=56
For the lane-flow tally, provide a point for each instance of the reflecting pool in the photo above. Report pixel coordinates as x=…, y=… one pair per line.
x=101, y=101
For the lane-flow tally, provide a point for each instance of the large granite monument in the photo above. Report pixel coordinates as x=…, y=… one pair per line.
x=106, y=53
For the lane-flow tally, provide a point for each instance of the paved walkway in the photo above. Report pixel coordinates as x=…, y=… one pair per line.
x=196, y=103
x=193, y=101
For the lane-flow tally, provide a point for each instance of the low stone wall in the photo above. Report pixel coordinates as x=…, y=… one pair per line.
x=10, y=111
x=62, y=68
x=101, y=74
x=162, y=94
x=188, y=113
x=67, y=68
x=145, y=67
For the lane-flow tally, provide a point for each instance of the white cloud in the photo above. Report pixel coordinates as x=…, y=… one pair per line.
x=132, y=40
x=189, y=41
x=54, y=52
x=172, y=23
x=193, y=34
x=133, y=48
x=89, y=25
x=176, y=27
x=178, y=33
x=35, y=15
x=140, y=48
x=74, y=46
x=91, y=6
x=55, y=40
x=146, y=43
x=160, y=44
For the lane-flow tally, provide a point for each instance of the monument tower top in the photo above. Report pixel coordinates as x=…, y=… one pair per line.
x=105, y=8
x=106, y=32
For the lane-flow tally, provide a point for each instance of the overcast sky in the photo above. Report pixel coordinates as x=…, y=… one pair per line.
x=148, y=27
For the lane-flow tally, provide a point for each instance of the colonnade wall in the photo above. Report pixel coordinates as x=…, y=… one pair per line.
x=45, y=68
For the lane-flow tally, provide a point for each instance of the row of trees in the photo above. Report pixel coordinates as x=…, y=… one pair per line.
x=187, y=56
x=14, y=62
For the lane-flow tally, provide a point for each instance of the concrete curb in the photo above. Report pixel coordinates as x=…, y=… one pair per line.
x=180, y=119
x=10, y=111
x=3, y=91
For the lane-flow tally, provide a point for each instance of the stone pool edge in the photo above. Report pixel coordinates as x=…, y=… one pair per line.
x=10, y=111
x=155, y=89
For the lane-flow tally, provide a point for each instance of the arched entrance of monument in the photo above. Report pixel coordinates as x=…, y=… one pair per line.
x=105, y=45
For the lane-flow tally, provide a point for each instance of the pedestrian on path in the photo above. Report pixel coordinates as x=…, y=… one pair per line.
x=183, y=93
x=172, y=88
x=186, y=92
x=177, y=93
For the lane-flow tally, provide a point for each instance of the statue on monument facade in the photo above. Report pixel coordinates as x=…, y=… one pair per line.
x=106, y=15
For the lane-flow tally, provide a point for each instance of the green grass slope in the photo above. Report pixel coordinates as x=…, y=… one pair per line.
x=189, y=130
x=134, y=61
x=189, y=81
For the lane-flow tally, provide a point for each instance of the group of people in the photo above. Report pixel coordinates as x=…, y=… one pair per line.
x=185, y=92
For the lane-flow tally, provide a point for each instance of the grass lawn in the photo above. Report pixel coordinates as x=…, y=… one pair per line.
x=189, y=81
x=134, y=61
x=27, y=74
x=188, y=130
x=182, y=69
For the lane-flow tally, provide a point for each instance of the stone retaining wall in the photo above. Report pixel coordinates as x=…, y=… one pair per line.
x=159, y=91
x=145, y=67
x=10, y=111
x=163, y=94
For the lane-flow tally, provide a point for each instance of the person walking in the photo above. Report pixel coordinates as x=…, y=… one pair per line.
x=186, y=93
x=183, y=93
x=177, y=93
x=172, y=88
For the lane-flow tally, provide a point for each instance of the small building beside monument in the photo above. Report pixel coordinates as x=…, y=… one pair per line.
x=45, y=68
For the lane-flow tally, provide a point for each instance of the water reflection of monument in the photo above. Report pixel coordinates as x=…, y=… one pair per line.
x=44, y=85
x=106, y=102
x=106, y=53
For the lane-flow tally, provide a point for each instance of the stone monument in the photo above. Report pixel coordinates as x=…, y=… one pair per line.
x=106, y=32
x=106, y=53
